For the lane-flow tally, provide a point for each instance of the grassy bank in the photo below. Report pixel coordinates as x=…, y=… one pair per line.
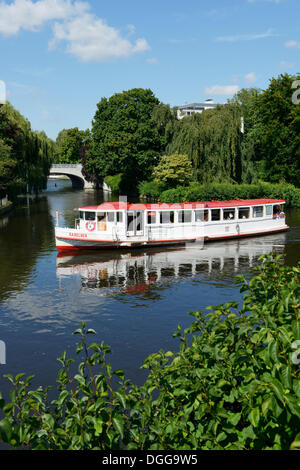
x=224, y=191
x=232, y=384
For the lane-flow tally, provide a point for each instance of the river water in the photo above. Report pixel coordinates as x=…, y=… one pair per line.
x=134, y=300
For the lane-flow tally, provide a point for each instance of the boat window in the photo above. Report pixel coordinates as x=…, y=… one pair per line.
x=110, y=217
x=244, y=213
x=215, y=214
x=201, y=215
x=119, y=217
x=276, y=210
x=151, y=217
x=269, y=210
x=228, y=214
x=184, y=217
x=81, y=215
x=258, y=211
x=101, y=216
x=90, y=216
x=167, y=217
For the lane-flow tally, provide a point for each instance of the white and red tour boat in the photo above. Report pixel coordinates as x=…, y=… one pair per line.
x=122, y=224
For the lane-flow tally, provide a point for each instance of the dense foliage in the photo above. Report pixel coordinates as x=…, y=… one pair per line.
x=255, y=136
x=233, y=383
x=25, y=155
x=225, y=191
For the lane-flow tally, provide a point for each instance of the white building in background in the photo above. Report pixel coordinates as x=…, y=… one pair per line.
x=189, y=109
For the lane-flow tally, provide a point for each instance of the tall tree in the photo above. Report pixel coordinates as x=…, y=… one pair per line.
x=278, y=126
x=125, y=140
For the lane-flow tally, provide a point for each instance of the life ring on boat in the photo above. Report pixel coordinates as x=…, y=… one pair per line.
x=90, y=226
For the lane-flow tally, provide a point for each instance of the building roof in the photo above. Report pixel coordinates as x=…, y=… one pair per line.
x=198, y=105
x=110, y=206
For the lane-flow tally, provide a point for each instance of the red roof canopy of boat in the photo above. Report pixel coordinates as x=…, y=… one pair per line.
x=121, y=205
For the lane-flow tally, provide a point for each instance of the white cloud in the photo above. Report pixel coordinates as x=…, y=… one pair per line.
x=221, y=90
x=295, y=44
x=90, y=38
x=269, y=1
x=285, y=64
x=152, y=60
x=31, y=16
x=246, y=37
x=87, y=36
x=250, y=78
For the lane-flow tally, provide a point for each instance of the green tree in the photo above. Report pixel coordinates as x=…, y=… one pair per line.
x=69, y=145
x=7, y=169
x=125, y=140
x=173, y=170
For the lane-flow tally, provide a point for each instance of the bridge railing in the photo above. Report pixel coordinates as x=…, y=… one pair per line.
x=64, y=165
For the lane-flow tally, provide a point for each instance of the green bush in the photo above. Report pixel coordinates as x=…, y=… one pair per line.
x=114, y=182
x=226, y=191
x=150, y=189
x=233, y=384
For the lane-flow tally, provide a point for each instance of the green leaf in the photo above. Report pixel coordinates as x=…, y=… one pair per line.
x=98, y=425
x=5, y=429
x=122, y=398
x=254, y=417
x=119, y=425
x=119, y=373
x=90, y=331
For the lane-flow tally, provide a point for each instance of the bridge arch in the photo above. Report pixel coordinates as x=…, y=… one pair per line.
x=74, y=172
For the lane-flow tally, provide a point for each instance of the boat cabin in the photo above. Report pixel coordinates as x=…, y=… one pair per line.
x=136, y=219
x=117, y=224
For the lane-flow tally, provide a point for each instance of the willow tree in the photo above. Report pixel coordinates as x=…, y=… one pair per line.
x=212, y=141
x=26, y=155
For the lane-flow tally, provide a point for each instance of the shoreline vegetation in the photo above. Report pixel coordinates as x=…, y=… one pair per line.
x=247, y=147
x=222, y=191
x=232, y=384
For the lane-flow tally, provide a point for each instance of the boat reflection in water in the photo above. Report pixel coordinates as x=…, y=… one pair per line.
x=137, y=272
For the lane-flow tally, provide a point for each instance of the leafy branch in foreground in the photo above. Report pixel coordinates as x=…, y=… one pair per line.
x=233, y=384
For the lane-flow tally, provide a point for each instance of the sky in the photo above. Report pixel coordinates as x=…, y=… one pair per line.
x=60, y=57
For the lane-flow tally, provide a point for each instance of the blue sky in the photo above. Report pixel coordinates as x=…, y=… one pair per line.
x=60, y=57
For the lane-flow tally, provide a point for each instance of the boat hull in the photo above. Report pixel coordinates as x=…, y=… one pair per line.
x=74, y=244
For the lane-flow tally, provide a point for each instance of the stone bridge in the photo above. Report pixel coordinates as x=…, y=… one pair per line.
x=74, y=172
